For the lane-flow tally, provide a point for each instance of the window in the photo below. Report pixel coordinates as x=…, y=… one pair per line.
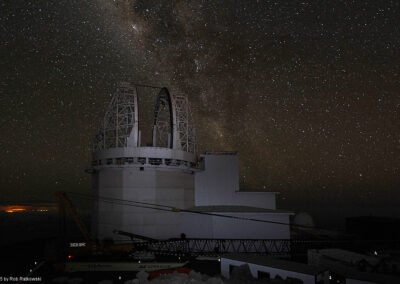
x=231, y=268
x=202, y=163
x=263, y=275
x=155, y=161
x=109, y=161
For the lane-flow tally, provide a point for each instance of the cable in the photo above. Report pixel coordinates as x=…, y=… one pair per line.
x=174, y=209
x=121, y=200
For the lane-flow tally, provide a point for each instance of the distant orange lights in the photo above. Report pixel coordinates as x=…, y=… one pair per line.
x=27, y=208
x=14, y=209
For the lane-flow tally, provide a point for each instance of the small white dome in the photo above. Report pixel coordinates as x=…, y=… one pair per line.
x=303, y=219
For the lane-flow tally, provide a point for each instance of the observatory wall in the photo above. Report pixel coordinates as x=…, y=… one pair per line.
x=217, y=193
x=218, y=183
x=152, y=186
x=226, y=228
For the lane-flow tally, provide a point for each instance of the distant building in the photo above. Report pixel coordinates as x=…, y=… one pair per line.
x=266, y=267
x=350, y=267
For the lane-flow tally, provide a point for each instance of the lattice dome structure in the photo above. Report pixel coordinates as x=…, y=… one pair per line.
x=173, y=122
x=120, y=122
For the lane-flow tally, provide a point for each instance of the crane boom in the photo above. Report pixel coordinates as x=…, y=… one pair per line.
x=66, y=203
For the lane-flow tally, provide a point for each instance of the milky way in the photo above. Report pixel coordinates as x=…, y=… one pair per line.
x=306, y=92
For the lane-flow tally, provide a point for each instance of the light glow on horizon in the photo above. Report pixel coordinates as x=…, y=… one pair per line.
x=14, y=209
x=27, y=208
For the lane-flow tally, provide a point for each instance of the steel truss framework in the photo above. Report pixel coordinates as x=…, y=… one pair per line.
x=163, y=124
x=283, y=247
x=216, y=246
x=173, y=122
x=121, y=120
x=184, y=124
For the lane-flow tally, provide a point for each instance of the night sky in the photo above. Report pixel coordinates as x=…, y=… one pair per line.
x=306, y=92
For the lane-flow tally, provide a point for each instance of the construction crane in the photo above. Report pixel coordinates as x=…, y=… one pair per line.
x=106, y=247
x=65, y=203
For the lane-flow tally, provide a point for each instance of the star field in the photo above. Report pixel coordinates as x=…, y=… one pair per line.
x=306, y=91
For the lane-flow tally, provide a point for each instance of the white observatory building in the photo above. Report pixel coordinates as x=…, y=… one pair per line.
x=168, y=173
x=124, y=170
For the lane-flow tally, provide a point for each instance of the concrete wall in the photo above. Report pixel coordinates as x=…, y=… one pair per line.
x=255, y=199
x=172, y=188
x=218, y=184
x=206, y=226
x=254, y=268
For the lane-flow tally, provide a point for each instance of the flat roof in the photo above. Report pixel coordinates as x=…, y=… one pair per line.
x=349, y=256
x=218, y=153
x=275, y=263
x=234, y=209
x=256, y=192
x=350, y=270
